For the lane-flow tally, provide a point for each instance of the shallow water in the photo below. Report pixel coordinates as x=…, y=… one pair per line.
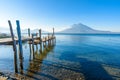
x=89, y=57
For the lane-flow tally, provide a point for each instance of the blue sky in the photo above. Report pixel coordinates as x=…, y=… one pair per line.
x=61, y=14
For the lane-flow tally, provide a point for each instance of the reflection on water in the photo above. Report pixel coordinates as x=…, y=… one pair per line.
x=40, y=55
x=74, y=57
x=35, y=63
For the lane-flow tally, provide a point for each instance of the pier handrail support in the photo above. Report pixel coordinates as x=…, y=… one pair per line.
x=14, y=47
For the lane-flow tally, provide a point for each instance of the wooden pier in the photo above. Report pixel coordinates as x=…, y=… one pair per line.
x=32, y=39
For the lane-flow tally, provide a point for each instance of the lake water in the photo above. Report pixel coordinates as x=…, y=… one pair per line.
x=74, y=57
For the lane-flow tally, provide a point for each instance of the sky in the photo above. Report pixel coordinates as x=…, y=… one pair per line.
x=61, y=14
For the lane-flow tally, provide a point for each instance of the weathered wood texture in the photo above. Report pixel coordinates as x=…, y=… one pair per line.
x=14, y=47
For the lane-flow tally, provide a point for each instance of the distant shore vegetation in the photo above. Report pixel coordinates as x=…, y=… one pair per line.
x=3, y=35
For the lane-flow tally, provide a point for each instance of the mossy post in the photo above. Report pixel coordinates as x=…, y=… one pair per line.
x=14, y=47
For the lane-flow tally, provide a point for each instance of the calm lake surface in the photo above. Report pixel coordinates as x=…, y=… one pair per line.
x=75, y=57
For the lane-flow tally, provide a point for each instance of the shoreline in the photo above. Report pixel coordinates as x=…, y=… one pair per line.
x=12, y=76
x=5, y=76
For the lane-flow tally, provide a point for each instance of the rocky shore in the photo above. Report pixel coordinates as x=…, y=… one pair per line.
x=12, y=76
x=6, y=76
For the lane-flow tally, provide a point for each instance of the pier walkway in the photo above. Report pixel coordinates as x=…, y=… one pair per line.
x=9, y=41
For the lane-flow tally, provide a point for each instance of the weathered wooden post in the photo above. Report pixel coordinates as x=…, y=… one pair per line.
x=33, y=45
x=36, y=42
x=29, y=44
x=29, y=32
x=53, y=31
x=40, y=35
x=45, y=41
x=36, y=46
x=48, y=40
x=30, y=51
x=40, y=41
x=53, y=36
x=14, y=47
x=20, y=44
x=40, y=47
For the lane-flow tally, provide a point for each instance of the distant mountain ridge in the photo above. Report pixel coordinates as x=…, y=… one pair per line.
x=81, y=28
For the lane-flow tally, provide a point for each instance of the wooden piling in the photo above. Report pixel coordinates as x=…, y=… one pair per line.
x=48, y=38
x=53, y=40
x=53, y=31
x=20, y=44
x=40, y=47
x=14, y=47
x=29, y=32
x=40, y=41
x=30, y=52
x=45, y=41
x=36, y=47
x=40, y=35
x=33, y=45
x=19, y=38
x=29, y=44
